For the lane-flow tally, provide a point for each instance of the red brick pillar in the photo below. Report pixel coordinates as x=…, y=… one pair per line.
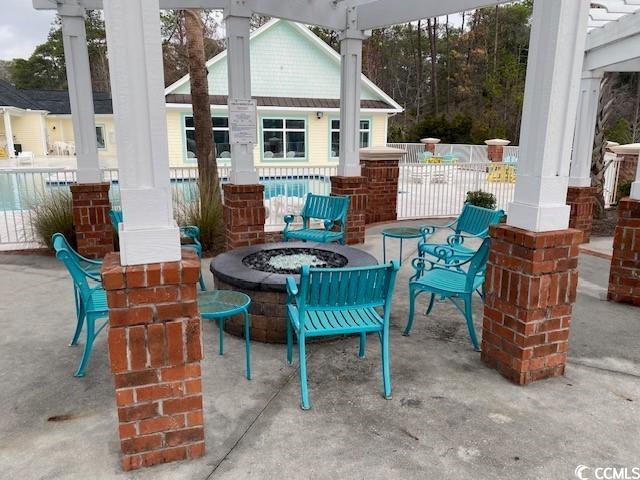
x=495, y=149
x=624, y=276
x=155, y=348
x=380, y=168
x=356, y=188
x=581, y=200
x=244, y=215
x=530, y=290
x=430, y=144
x=90, y=204
x=628, y=168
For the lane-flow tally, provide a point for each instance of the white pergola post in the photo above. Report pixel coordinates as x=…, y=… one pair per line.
x=237, y=17
x=558, y=37
x=76, y=55
x=8, y=132
x=585, y=129
x=350, y=72
x=149, y=233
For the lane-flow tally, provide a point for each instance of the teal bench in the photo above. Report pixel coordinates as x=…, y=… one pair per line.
x=473, y=223
x=332, y=210
x=340, y=301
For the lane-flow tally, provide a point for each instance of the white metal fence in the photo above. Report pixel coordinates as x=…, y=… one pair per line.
x=21, y=189
x=462, y=153
x=433, y=190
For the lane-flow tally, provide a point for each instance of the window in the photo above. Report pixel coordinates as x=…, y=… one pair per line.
x=100, y=137
x=365, y=134
x=220, y=137
x=284, y=138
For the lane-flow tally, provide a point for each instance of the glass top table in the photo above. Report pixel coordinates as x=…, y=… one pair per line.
x=401, y=233
x=222, y=303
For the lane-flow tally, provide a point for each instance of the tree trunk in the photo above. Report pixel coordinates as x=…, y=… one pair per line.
x=419, y=71
x=434, y=66
x=449, y=61
x=208, y=212
x=495, y=44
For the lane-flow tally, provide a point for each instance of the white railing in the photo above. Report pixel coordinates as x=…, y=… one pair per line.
x=462, y=153
x=435, y=190
x=22, y=188
x=611, y=179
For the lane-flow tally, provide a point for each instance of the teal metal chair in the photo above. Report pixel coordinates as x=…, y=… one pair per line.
x=456, y=281
x=473, y=223
x=92, y=299
x=331, y=209
x=335, y=301
x=190, y=231
x=92, y=267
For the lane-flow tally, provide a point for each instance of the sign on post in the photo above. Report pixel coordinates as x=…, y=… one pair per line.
x=243, y=122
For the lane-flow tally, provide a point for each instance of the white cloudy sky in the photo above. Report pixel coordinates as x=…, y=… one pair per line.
x=21, y=28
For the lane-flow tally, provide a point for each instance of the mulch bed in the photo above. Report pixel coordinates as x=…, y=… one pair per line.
x=605, y=226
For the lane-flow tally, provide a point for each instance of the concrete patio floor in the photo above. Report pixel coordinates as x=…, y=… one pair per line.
x=450, y=416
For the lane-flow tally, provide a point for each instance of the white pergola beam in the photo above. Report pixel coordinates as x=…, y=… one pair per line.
x=626, y=26
x=558, y=36
x=613, y=53
x=324, y=13
x=391, y=12
x=148, y=234
x=8, y=133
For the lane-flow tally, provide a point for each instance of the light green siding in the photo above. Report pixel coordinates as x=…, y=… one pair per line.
x=285, y=63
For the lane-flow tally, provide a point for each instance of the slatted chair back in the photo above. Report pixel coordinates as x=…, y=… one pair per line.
x=478, y=264
x=326, y=289
x=82, y=261
x=325, y=207
x=476, y=220
x=69, y=259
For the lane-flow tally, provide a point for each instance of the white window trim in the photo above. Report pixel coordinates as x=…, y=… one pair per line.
x=284, y=131
x=337, y=130
x=103, y=127
x=215, y=129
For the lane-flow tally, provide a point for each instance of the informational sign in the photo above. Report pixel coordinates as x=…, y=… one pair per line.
x=243, y=121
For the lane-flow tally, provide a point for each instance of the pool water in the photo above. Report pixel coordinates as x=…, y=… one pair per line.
x=21, y=190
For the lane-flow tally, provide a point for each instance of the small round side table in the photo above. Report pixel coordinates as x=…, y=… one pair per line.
x=402, y=233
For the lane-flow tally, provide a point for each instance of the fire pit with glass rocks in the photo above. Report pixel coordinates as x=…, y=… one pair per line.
x=260, y=271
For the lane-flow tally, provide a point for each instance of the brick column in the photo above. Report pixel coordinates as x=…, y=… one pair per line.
x=356, y=188
x=581, y=200
x=530, y=290
x=624, y=276
x=628, y=168
x=495, y=149
x=380, y=168
x=244, y=215
x=155, y=348
x=94, y=234
x=430, y=144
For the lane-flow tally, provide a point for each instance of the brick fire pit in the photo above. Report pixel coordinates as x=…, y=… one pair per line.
x=231, y=271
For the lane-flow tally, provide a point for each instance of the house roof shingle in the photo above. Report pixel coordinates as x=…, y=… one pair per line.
x=53, y=101
x=315, y=103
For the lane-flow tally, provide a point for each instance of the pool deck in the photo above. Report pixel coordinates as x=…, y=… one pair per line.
x=450, y=416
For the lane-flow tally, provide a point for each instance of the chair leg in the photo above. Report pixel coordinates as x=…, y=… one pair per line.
x=468, y=315
x=247, y=344
x=88, y=347
x=303, y=374
x=431, y=302
x=203, y=287
x=221, y=336
x=386, y=373
x=412, y=301
x=289, y=342
x=363, y=344
x=80, y=315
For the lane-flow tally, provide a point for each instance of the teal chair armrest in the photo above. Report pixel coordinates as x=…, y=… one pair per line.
x=328, y=224
x=459, y=238
x=290, y=218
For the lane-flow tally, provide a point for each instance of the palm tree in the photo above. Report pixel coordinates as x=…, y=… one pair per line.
x=207, y=213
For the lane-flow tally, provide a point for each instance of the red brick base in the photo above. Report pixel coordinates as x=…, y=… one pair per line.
x=155, y=348
x=624, y=277
x=94, y=233
x=356, y=188
x=581, y=200
x=530, y=290
x=244, y=215
x=382, y=189
x=495, y=153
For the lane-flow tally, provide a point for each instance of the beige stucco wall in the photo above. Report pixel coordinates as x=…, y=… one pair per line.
x=28, y=131
x=60, y=129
